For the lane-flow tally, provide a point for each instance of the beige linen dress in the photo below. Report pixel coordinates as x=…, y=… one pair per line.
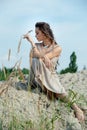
x=45, y=77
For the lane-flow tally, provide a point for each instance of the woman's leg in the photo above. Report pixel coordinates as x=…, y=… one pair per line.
x=78, y=112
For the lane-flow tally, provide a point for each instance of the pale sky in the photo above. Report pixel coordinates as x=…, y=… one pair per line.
x=67, y=18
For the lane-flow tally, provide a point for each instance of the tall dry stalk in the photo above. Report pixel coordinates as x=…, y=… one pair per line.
x=19, y=45
x=4, y=71
x=9, y=54
x=20, y=41
x=21, y=74
x=30, y=31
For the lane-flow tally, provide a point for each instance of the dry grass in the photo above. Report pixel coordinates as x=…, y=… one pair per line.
x=9, y=54
x=3, y=68
x=19, y=45
x=13, y=73
x=20, y=41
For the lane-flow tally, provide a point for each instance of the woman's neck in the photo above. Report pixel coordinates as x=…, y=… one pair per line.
x=46, y=42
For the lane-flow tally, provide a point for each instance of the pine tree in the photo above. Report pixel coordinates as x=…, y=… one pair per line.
x=72, y=65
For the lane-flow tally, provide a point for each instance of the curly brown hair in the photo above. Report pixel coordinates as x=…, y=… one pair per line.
x=45, y=28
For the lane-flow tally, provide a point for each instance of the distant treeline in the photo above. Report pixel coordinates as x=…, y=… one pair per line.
x=5, y=72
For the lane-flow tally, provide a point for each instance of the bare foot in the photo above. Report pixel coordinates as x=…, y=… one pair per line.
x=79, y=114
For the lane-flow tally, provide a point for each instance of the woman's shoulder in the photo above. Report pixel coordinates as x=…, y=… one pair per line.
x=57, y=46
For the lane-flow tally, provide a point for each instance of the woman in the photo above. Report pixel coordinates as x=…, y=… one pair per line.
x=44, y=60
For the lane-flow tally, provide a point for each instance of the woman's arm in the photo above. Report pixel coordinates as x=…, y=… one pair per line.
x=48, y=56
x=35, y=51
x=54, y=53
x=26, y=36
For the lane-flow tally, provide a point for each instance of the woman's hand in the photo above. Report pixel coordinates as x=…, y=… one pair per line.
x=27, y=36
x=47, y=61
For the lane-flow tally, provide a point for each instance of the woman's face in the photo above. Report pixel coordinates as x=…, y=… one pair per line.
x=39, y=35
